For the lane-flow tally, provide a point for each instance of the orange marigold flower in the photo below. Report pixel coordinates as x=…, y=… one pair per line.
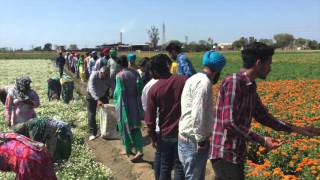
x=255, y=173
x=267, y=163
x=291, y=163
x=298, y=169
x=262, y=149
x=277, y=171
x=295, y=157
x=266, y=173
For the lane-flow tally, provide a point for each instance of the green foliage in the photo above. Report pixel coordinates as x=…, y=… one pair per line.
x=313, y=44
x=286, y=65
x=268, y=42
x=300, y=41
x=283, y=40
x=240, y=43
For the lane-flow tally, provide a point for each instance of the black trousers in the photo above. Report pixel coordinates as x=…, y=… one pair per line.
x=92, y=110
x=61, y=69
x=227, y=170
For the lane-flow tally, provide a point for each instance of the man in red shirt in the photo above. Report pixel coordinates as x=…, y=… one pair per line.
x=164, y=98
x=237, y=103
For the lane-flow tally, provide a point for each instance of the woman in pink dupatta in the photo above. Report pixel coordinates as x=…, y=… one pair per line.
x=30, y=160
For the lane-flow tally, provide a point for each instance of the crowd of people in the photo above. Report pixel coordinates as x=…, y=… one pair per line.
x=186, y=127
x=184, y=124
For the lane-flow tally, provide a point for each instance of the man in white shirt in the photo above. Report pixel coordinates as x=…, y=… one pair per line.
x=195, y=124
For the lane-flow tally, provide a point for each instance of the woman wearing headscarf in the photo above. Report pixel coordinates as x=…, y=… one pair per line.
x=21, y=101
x=30, y=160
x=127, y=99
x=55, y=134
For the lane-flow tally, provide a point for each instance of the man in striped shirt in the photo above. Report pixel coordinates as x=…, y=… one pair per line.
x=237, y=103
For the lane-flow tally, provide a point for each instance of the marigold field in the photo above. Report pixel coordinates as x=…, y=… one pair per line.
x=291, y=92
x=297, y=102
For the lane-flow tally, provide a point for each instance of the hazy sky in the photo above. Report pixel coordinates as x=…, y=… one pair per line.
x=27, y=23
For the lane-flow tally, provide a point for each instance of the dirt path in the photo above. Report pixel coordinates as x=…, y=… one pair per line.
x=108, y=153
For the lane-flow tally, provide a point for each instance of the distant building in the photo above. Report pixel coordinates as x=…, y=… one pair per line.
x=126, y=47
x=224, y=46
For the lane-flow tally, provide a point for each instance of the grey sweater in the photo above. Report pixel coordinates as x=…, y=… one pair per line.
x=97, y=87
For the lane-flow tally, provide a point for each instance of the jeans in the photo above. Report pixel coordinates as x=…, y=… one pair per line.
x=227, y=170
x=168, y=148
x=157, y=159
x=194, y=161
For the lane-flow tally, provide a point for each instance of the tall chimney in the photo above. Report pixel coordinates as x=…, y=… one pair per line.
x=120, y=37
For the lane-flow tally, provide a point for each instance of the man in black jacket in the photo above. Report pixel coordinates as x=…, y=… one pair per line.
x=60, y=61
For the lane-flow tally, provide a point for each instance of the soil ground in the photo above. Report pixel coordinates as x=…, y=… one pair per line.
x=108, y=153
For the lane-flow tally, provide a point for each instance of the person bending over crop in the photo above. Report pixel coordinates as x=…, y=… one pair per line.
x=29, y=159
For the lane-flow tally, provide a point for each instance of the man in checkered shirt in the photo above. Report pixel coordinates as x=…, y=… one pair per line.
x=237, y=103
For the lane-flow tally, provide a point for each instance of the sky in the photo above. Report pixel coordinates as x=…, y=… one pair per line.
x=87, y=23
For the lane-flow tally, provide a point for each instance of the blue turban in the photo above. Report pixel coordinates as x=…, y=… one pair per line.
x=131, y=57
x=214, y=60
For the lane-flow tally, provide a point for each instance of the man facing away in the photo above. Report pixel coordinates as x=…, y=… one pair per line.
x=164, y=97
x=196, y=116
x=185, y=66
x=237, y=103
x=60, y=62
x=114, y=68
x=103, y=60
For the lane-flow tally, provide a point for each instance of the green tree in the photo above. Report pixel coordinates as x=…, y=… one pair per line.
x=38, y=48
x=240, y=43
x=73, y=47
x=313, y=44
x=268, y=42
x=283, y=40
x=252, y=39
x=47, y=47
x=300, y=42
x=153, y=33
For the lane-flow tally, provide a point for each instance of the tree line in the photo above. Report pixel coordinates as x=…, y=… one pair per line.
x=284, y=41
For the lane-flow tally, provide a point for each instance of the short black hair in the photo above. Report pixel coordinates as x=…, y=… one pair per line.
x=123, y=61
x=254, y=51
x=159, y=63
x=144, y=62
x=174, y=45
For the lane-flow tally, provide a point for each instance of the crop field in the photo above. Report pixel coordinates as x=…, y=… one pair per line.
x=291, y=92
x=81, y=164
